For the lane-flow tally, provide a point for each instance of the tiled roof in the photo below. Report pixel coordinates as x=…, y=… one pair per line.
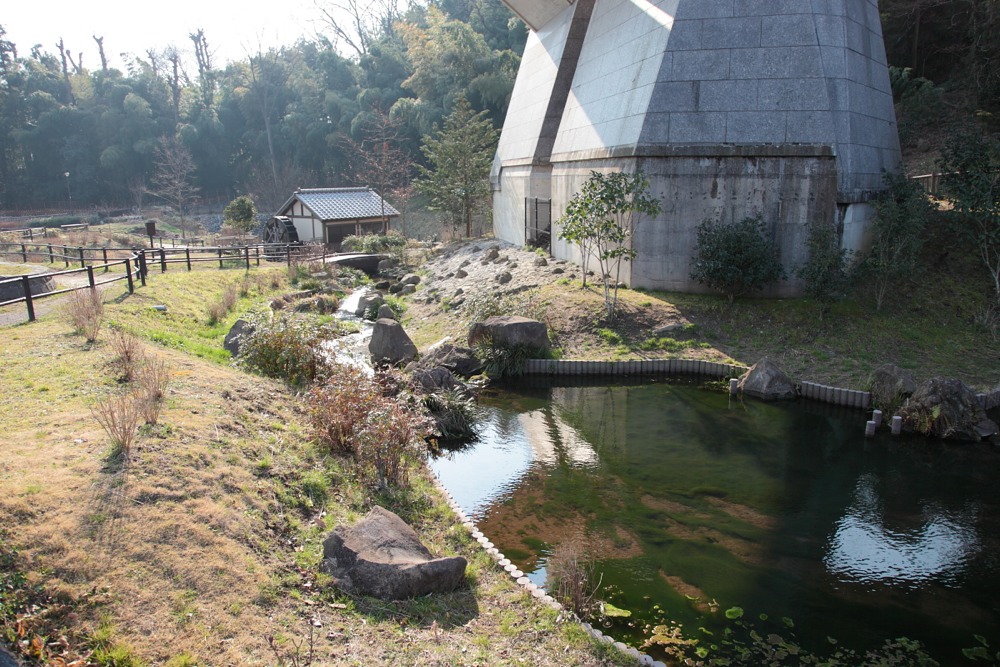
x=330, y=204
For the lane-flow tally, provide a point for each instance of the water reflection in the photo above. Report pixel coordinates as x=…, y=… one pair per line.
x=864, y=549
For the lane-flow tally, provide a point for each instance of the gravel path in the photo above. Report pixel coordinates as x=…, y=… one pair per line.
x=18, y=313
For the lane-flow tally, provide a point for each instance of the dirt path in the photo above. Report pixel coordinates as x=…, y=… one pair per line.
x=18, y=313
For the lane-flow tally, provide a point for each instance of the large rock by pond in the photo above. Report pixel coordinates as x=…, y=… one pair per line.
x=764, y=380
x=511, y=330
x=368, y=302
x=390, y=344
x=461, y=361
x=383, y=557
x=235, y=336
x=890, y=385
x=946, y=408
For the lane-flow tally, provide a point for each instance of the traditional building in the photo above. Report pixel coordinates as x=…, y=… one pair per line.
x=329, y=215
x=731, y=108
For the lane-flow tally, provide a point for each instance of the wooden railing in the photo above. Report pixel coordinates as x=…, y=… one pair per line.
x=138, y=262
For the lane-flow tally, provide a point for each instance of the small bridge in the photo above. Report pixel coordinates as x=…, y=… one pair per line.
x=361, y=261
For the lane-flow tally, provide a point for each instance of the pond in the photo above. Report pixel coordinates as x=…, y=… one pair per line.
x=693, y=505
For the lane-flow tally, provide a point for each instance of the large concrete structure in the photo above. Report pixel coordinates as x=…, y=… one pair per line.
x=730, y=107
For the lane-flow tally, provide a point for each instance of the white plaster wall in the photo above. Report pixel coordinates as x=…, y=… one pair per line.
x=616, y=74
x=533, y=89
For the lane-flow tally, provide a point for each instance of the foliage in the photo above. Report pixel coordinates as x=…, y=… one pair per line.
x=388, y=439
x=287, y=346
x=459, y=156
x=826, y=273
x=901, y=213
x=971, y=181
x=241, y=214
x=601, y=218
x=338, y=407
x=920, y=102
x=373, y=244
x=503, y=360
x=218, y=309
x=736, y=258
x=454, y=415
x=85, y=308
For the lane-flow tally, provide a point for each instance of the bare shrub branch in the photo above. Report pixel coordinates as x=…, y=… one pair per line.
x=119, y=416
x=152, y=381
x=86, y=312
x=129, y=355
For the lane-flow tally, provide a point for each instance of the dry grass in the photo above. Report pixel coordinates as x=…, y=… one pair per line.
x=119, y=416
x=201, y=551
x=85, y=309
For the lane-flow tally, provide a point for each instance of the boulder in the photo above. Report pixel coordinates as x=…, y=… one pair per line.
x=386, y=264
x=490, y=255
x=390, y=344
x=232, y=340
x=890, y=385
x=511, y=330
x=407, y=288
x=764, y=380
x=541, y=261
x=385, y=312
x=382, y=557
x=461, y=273
x=7, y=658
x=946, y=408
x=504, y=278
x=461, y=361
x=367, y=303
x=410, y=279
x=437, y=379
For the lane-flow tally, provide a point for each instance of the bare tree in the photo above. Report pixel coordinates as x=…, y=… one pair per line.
x=206, y=76
x=379, y=161
x=63, y=57
x=100, y=50
x=173, y=178
x=358, y=23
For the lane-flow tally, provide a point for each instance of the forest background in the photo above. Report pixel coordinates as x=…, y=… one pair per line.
x=371, y=86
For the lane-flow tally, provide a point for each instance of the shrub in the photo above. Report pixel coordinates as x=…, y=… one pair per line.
x=486, y=304
x=86, y=311
x=387, y=440
x=504, y=360
x=454, y=415
x=218, y=310
x=129, y=354
x=154, y=376
x=287, y=346
x=573, y=579
x=735, y=258
x=373, y=244
x=338, y=407
x=826, y=273
x=119, y=415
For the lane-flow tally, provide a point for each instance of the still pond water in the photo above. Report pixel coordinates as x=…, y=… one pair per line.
x=689, y=500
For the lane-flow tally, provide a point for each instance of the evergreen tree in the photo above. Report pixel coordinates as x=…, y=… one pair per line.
x=459, y=156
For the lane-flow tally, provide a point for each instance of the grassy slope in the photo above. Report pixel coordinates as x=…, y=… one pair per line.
x=206, y=544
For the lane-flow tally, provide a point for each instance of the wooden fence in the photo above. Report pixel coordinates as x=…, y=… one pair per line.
x=138, y=262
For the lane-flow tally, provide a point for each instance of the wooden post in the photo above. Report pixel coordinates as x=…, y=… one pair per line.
x=104, y=254
x=128, y=273
x=90, y=277
x=51, y=258
x=142, y=268
x=26, y=282
x=246, y=252
x=256, y=253
x=83, y=260
x=187, y=256
x=24, y=253
x=220, y=257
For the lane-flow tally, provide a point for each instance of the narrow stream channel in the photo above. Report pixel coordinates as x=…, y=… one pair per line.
x=689, y=502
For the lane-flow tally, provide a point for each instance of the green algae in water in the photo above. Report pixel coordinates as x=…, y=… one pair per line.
x=693, y=504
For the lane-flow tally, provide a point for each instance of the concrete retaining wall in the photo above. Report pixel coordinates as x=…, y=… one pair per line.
x=40, y=284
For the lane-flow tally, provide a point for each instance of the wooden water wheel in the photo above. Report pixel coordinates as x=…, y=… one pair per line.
x=280, y=229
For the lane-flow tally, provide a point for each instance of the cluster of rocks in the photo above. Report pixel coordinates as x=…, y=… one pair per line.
x=940, y=407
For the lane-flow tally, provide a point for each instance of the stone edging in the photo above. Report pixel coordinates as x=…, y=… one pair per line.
x=851, y=398
x=536, y=591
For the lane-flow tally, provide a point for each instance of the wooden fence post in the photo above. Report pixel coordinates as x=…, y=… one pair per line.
x=163, y=259
x=220, y=257
x=104, y=254
x=24, y=253
x=246, y=252
x=26, y=282
x=256, y=254
x=90, y=277
x=83, y=260
x=142, y=267
x=187, y=256
x=128, y=272
x=51, y=258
